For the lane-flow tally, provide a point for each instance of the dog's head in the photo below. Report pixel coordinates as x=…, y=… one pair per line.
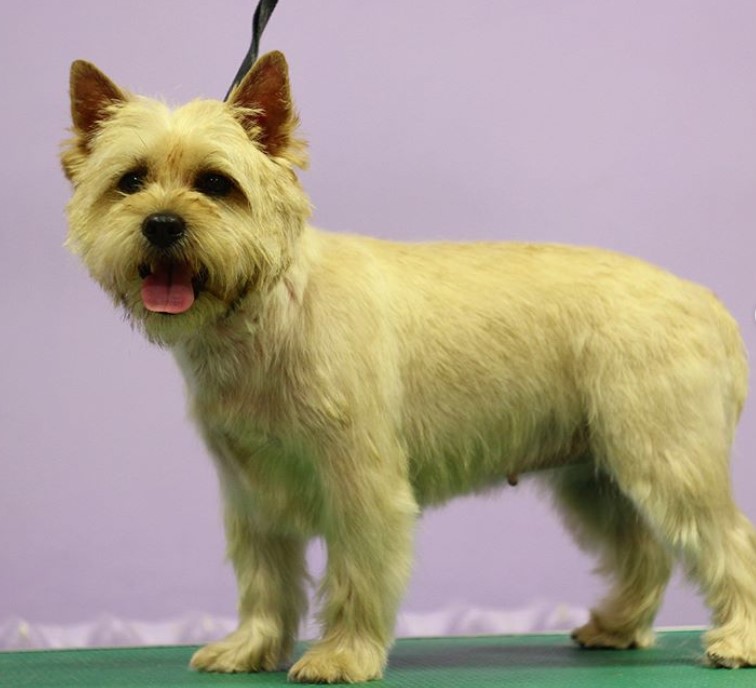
x=180, y=214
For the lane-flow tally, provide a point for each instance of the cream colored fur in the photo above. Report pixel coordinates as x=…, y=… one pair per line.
x=343, y=383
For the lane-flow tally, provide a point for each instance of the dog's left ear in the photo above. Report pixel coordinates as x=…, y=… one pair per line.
x=262, y=104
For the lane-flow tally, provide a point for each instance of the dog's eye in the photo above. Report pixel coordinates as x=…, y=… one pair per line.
x=132, y=181
x=214, y=184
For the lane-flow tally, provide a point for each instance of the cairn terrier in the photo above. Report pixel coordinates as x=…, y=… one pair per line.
x=343, y=383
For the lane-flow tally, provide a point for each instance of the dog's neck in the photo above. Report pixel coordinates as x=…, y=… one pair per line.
x=258, y=334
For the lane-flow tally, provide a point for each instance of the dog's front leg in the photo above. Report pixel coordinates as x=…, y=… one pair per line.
x=270, y=572
x=371, y=514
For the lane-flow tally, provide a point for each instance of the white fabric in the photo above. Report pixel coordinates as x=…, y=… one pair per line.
x=195, y=629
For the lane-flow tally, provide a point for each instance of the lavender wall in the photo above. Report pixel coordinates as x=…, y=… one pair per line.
x=630, y=125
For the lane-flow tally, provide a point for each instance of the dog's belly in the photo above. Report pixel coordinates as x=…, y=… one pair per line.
x=462, y=461
x=483, y=402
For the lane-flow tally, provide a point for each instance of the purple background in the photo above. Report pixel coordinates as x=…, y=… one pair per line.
x=629, y=125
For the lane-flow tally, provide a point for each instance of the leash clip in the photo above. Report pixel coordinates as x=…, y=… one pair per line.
x=259, y=22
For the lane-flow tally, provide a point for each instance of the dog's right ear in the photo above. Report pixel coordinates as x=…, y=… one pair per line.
x=93, y=99
x=93, y=96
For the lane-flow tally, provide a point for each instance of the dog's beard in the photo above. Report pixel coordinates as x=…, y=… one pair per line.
x=187, y=313
x=171, y=293
x=166, y=328
x=170, y=298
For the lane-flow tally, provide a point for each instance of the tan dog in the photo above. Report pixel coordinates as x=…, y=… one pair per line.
x=343, y=383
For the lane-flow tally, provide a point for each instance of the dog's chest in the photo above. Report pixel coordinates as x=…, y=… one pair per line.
x=264, y=472
x=274, y=484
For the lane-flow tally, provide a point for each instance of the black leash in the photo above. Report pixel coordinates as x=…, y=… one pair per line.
x=259, y=22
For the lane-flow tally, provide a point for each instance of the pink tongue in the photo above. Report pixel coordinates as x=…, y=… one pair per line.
x=168, y=290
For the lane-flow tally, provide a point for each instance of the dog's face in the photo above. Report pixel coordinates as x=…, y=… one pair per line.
x=179, y=214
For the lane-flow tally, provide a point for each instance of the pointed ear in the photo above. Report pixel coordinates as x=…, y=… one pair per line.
x=263, y=105
x=92, y=97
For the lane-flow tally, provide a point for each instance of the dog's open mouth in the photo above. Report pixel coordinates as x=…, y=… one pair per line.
x=170, y=287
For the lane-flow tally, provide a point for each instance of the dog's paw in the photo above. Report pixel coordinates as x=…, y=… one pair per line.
x=335, y=663
x=240, y=652
x=730, y=651
x=594, y=636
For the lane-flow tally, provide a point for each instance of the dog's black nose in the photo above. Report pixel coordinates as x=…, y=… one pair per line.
x=163, y=229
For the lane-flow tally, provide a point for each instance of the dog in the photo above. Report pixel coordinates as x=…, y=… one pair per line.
x=344, y=383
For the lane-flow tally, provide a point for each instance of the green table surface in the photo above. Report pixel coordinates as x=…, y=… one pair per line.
x=525, y=660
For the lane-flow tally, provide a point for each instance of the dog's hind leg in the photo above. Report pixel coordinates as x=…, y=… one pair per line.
x=666, y=444
x=605, y=522
x=689, y=504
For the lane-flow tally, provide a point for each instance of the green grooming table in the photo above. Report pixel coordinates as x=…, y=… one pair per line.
x=517, y=661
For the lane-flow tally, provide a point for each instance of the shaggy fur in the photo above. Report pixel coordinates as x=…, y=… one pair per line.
x=343, y=383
